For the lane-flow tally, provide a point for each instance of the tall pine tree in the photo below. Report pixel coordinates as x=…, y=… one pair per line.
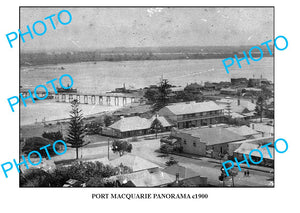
x=162, y=96
x=260, y=107
x=76, y=130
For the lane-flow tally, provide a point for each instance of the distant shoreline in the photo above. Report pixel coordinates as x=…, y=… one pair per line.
x=136, y=54
x=160, y=59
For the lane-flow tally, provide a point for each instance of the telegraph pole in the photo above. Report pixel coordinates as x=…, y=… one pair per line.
x=108, y=148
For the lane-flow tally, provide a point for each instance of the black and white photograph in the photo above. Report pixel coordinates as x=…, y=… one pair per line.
x=146, y=96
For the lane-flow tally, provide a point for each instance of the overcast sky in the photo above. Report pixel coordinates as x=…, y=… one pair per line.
x=98, y=28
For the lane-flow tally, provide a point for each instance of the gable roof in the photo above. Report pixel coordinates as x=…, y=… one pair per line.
x=163, y=121
x=214, y=135
x=134, y=162
x=193, y=107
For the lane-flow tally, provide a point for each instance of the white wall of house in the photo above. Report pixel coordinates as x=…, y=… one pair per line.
x=191, y=145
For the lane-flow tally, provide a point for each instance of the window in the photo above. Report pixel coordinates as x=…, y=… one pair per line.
x=184, y=141
x=194, y=144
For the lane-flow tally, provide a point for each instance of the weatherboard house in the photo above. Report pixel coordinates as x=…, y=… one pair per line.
x=137, y=126
x=193, y=114
x=212, y=141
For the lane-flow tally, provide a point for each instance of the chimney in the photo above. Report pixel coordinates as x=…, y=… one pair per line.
x=239, y=102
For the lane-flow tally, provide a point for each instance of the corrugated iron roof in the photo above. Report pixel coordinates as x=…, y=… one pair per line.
x=214, y=135
x=137, y=123
x=243, y=130
x=131, y=123
x=193, y=107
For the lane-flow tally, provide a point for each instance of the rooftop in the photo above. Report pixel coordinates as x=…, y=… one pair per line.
x=137, y=123
x=246, y=148
x=145, y=178
x=134, y=162
x=213, y=136
x=182, y=171
x=193, y=107
x=262, y=128
x=243, y=130
x=131, y=123
x=163, y=121
x=234, y=104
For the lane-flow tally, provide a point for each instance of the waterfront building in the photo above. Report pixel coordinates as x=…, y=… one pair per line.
x=192, y=114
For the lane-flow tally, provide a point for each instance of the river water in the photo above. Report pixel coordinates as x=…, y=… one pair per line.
x=93, y=77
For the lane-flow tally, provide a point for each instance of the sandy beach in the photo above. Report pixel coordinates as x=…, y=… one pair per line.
x=51, y=111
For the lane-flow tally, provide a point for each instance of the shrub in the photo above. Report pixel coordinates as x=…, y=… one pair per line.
x=121, y=146
x=93, y=128
x=35, y=177
x=95, y=182
x=91, y=173
x=82, y=172
x=171, y=162
x=53, y=136
x=35, y=143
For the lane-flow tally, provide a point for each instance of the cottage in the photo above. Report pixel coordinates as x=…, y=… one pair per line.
x=185, y=176
x=265, y=130
x=246, y=148
x=243, y=108
x=192, y=114
x=201, y=141
x=136, y=126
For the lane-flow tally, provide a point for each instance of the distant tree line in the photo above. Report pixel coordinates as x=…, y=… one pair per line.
x=119, y=54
